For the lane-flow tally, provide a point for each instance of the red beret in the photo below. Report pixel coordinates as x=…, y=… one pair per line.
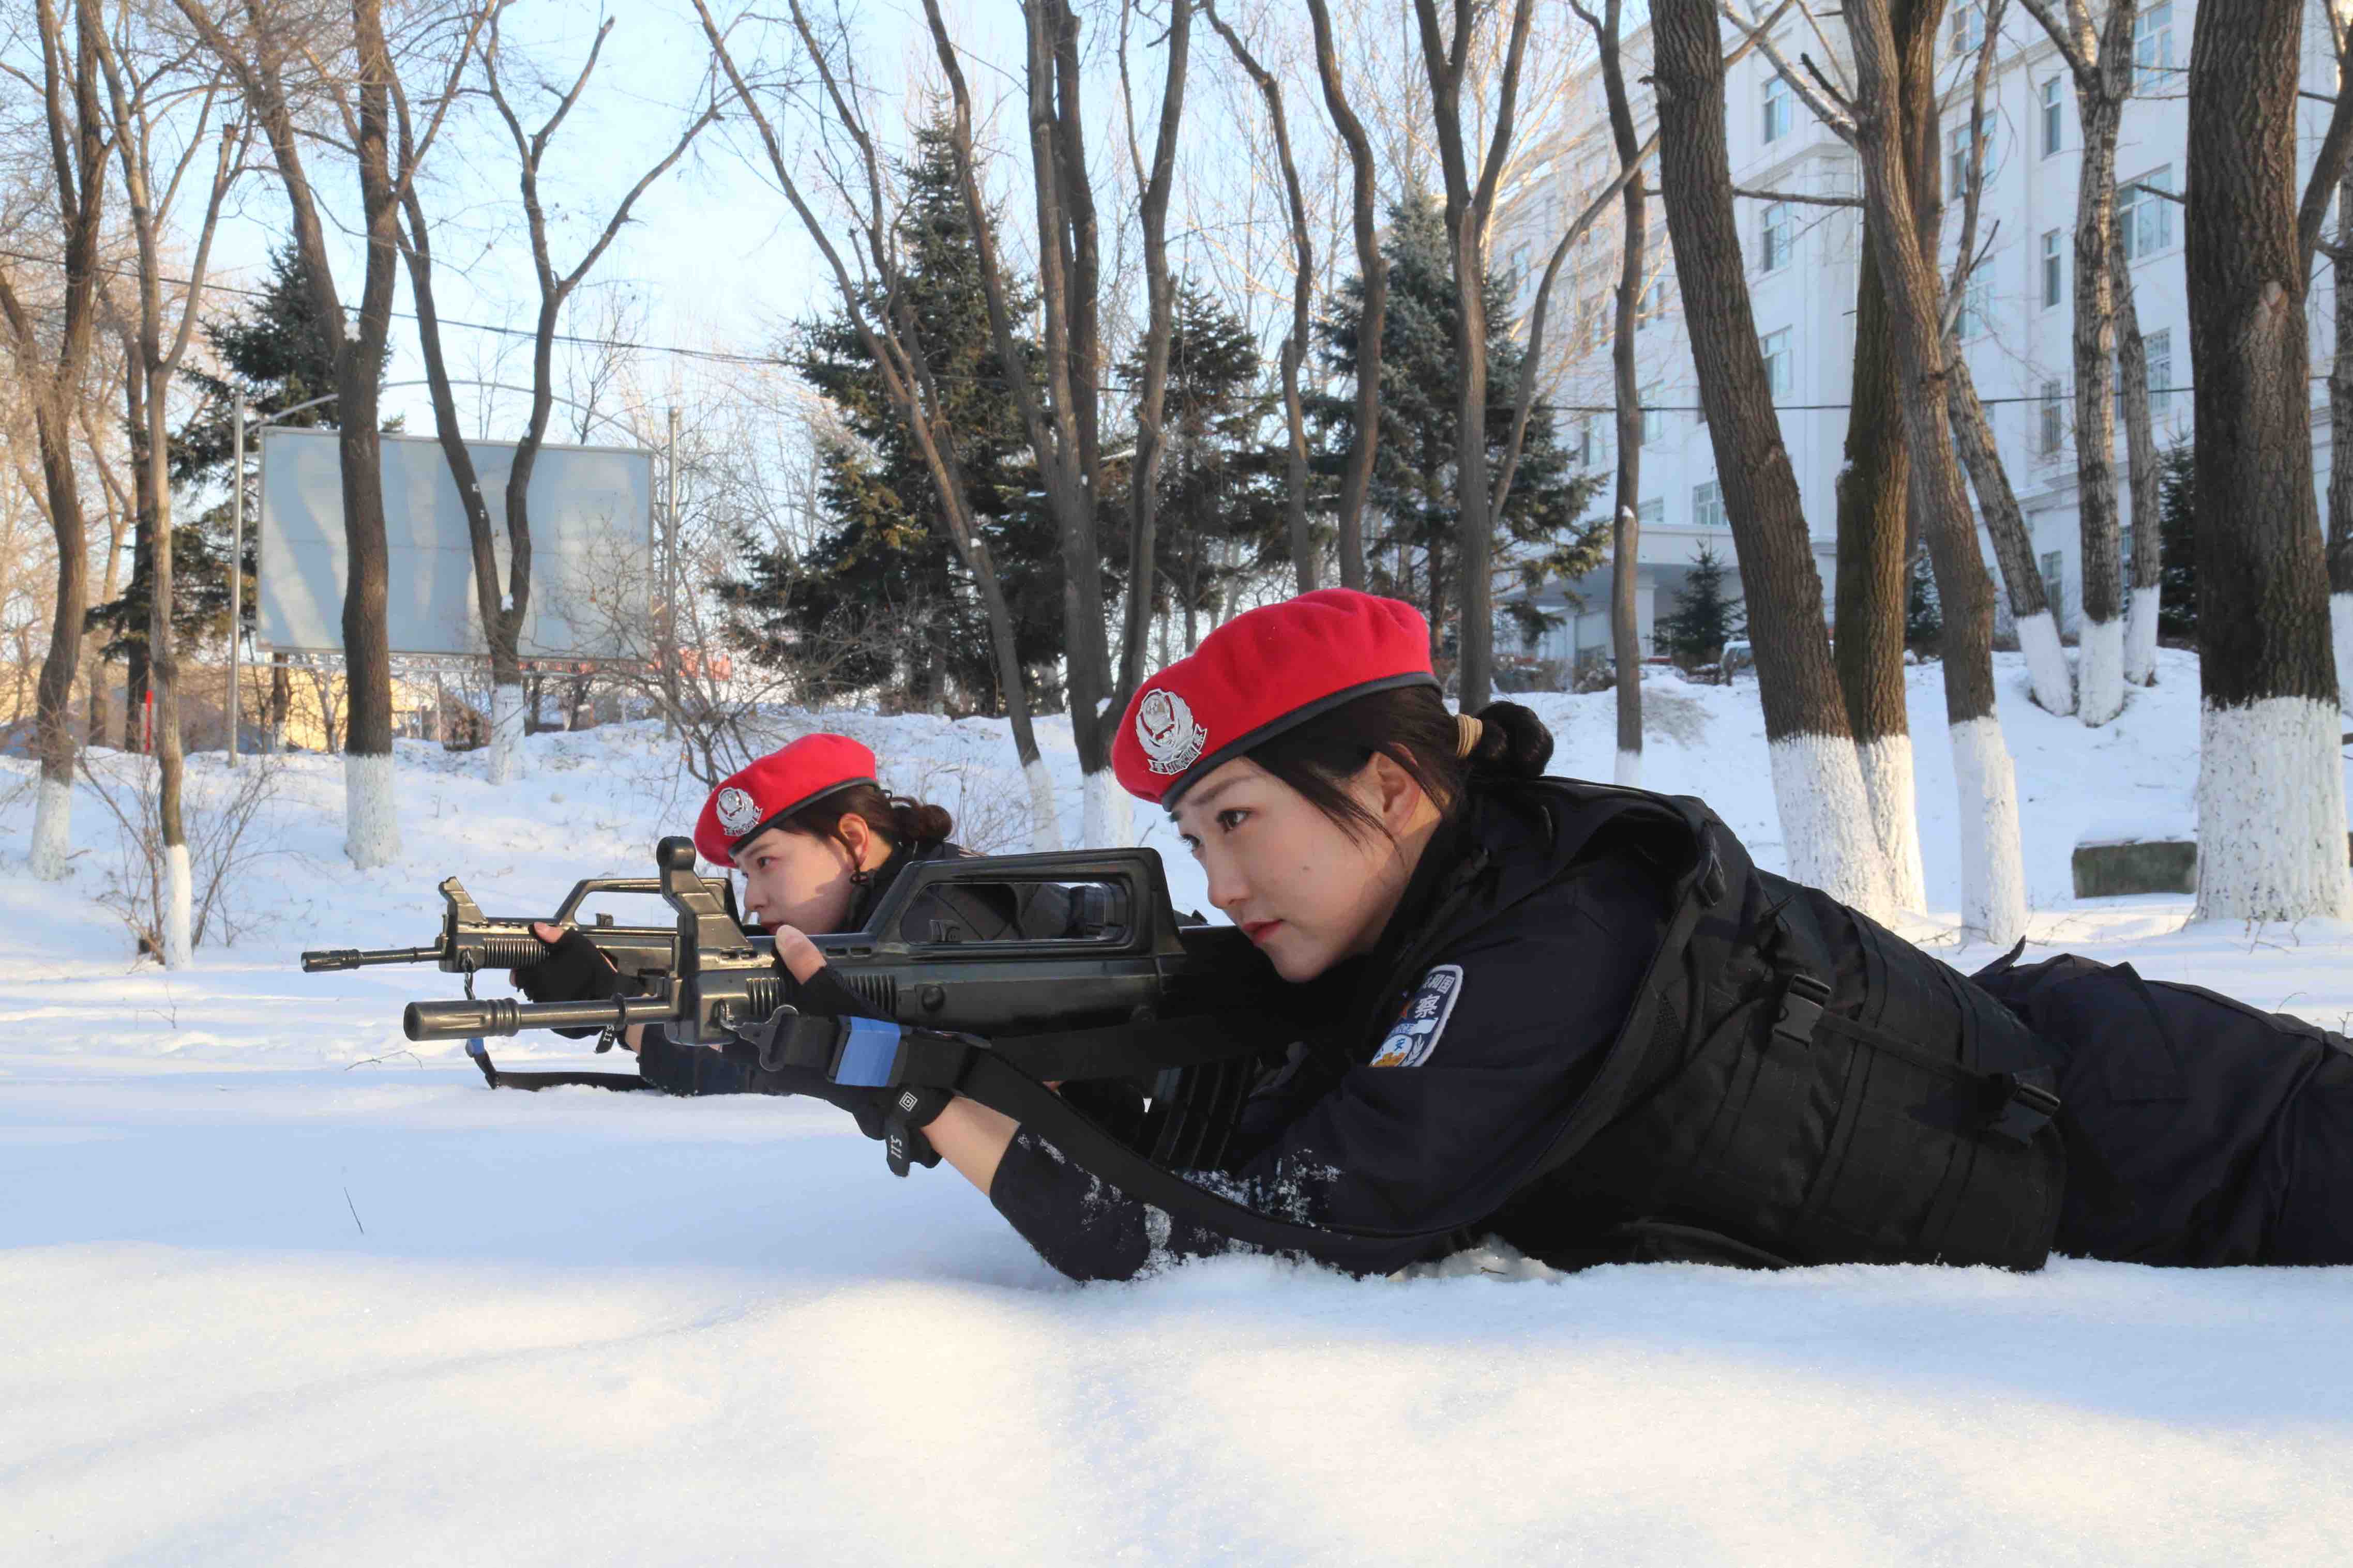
x=1257, y=676
x=747, y=802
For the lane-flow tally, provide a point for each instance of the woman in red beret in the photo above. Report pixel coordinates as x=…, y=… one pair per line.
x=1577, y=1017
x=818, y=841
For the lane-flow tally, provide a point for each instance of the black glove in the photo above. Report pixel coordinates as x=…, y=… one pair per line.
x=574, y=970
x=896, y=1118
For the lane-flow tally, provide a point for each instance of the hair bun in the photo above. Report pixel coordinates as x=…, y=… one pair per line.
x=1513, y=743
x=920, y=822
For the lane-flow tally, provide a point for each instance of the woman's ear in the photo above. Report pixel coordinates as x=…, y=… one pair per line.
x=856, y=835
x=1398, y=800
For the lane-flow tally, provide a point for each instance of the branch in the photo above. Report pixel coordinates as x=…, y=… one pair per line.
x=2328, y=164
x=1840, y=119
x=2070, y=48
x=2176, y=198
x=1797, y=197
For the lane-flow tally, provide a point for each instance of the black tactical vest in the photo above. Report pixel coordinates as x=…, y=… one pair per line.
x=1800, y=1080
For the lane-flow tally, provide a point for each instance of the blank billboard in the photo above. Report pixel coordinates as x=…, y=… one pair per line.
x=592, y=537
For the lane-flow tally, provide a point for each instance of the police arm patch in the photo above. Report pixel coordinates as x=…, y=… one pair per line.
x=1415, y=1034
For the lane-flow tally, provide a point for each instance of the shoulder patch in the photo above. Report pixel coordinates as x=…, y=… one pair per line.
x=1415, y=1034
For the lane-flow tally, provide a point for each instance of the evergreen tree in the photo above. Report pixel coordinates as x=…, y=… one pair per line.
x=1220, y=508
x=880, y=600
x=1924, y=612
x=2177, y=483
x=1412, y=554
x=1704, y=616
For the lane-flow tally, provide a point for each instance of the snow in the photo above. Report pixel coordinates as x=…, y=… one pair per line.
x=279, y=1288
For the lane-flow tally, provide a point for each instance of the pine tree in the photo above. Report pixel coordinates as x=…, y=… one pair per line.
x=880, y=600
x=1413, y=477
x=2176, y=609
x=1704, y=616
x=1220, y=510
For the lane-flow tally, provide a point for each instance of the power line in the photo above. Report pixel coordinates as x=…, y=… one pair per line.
x=724, y=356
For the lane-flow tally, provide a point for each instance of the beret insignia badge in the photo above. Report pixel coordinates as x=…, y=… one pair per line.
x=738, y=812
x=1173, y=739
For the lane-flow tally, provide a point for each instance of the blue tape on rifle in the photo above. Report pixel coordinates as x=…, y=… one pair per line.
x=867, y=1055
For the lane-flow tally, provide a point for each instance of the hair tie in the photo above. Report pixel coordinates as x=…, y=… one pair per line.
x=1467, y=731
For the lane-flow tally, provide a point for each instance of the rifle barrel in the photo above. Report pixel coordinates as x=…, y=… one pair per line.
x=326, y=960
x=505, y=1016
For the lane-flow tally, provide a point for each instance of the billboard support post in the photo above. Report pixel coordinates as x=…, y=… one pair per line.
x=236, y=579
x=669, y=581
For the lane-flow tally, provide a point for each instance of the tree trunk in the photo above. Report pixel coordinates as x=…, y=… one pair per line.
x=2340, y=451
x=163, y=662
x=1626, y=530
x=1364, y=193
x=1817, y=776
x=1871, y=583
x=2271, y=782
x=2100, y=692
x=1993, y=879
x=2140, y=474
x=1626, y=519
x=2013, y=547
x=1152, y=402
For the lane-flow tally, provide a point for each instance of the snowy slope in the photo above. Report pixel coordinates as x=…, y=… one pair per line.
x=278, y=1288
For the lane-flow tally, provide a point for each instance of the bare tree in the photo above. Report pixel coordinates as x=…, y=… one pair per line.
x=1303, y=288
x=164, y=117
x=2271, y=786
x=1469, y=199
x=504, y=610
x=1817, y=778
x=2146, y=565
x=2340, y=439
x=2100, y=63
x=893, y=340
x=1372, y=267
x=2013, y=547
x=49, y=362
x=1160, y=288
x=1625, y=535
x=275, y=53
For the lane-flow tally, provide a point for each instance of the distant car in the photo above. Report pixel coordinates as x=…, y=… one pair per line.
x=1737, y=656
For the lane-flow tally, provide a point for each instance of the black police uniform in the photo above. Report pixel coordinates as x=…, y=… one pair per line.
x=1601, y=1036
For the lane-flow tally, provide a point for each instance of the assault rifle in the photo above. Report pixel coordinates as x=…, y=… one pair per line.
x=471, y=942
x=1099, y=981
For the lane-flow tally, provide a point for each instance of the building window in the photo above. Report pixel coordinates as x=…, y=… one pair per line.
x=2054, y=273
x=1776, y=236
x=1958, y=146
x=1652, y=303
x=2054, y=582
x=1779, y=374
x=1654, y=419
x=1779, y=107
x=1593, y=440
x=1707, y=506
x=1651, y=513
x=2158, y=348
x=2153, y=48
x=2051, y=124
x=1968, y=30
x=2143, y=219
x=2055, y=421
x=1976, y=309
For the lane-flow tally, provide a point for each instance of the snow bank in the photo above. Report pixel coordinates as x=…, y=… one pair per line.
x=279, y=1288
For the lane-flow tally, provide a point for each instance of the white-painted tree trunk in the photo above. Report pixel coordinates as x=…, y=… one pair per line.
x=2100, y=666
x=370, y=812
x=1106, y=822
x=2046, y=662
x=504, y=763
x=178, y=903
x=2140, y=637
x=1993, y=861
x=1894, y=814
x=52, y=831
x=1826, y=822
x=1045, y=823
x=1629, y=775
x=2340, y=636
x=2271, y=813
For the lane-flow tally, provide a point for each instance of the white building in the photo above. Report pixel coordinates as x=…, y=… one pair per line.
x=1801, y=262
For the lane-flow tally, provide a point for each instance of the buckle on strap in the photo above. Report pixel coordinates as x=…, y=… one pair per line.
x=1801, y=1008
x=2025, y=1103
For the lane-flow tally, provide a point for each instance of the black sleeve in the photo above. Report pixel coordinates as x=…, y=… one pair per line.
x=1457, y=1101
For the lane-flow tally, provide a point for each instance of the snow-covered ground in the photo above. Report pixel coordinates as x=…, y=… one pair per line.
x=278, y=1288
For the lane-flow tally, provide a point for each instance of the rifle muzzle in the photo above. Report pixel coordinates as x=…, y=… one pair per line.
x=505, y=1016
x=334, y=958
